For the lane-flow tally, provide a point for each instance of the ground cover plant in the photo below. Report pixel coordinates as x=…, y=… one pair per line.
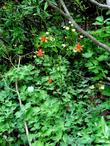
x=54, y=82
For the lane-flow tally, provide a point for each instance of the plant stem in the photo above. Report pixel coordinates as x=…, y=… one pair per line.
x=20, y=103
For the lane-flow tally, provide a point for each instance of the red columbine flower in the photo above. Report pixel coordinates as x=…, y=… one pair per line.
x=78, y=47
x=40, y=53
x=43, y=39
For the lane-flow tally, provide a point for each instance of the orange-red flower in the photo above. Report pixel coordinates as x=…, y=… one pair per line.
x=50, y=81
x=40, y=53
x=43, y=39
x=78, y=47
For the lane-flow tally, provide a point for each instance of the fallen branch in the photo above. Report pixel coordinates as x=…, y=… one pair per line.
x=66, y=14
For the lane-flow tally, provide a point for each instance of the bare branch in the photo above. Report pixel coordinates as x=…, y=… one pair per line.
x=100, y=5
x=78, y=28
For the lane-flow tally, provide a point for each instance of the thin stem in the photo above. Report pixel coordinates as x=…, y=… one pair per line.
x=20, y=103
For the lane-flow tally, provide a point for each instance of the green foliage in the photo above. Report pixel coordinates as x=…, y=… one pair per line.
x=60, y=76
x=100, y=21
x=106, y=91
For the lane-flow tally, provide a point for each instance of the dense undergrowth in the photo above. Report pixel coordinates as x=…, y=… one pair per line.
x=52, y=78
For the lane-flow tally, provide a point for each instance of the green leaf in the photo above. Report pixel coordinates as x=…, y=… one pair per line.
x=38, y=143
x=88, y=54
x=105, y=128
x=102, y=57
x=106, y=91
x=100, y=19
x=45, y=6
x=97, y=23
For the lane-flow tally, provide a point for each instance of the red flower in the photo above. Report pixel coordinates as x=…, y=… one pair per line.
x=40, y=53
x=43, y=39
x=50, y=81
x=78, y=47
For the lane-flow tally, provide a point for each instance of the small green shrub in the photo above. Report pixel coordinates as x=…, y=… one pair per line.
x=52, y=78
